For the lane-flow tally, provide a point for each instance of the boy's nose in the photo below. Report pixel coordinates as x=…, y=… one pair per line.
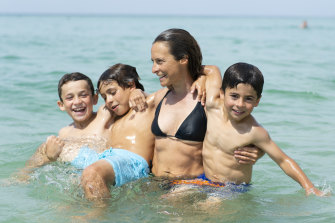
x=77, y=100
x=240, y=102
x=109, y=99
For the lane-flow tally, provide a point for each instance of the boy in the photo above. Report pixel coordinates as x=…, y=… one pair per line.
x=230, y=125
x=88, y=138
x=76, y=97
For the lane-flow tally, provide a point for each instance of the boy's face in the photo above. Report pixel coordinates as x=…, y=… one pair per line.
x=77, y=100
x=240, y=101
x=116, y=97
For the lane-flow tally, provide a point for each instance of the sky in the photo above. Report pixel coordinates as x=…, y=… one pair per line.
x=317, y=8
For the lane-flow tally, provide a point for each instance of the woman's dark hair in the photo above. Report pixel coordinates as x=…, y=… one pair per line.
x=243, y=73
x=182, y=44
x=123, y=74
x=76, y=76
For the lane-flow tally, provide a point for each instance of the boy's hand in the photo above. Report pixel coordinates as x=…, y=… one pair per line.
x=248, y=154
x=137, y=100
x=316, y=192
x=54, y=146
x=200, y=86
x=104, y=113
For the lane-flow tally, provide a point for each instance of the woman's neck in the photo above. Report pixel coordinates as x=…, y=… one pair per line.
x=182, y=87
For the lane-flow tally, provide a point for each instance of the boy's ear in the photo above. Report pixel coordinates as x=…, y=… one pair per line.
x=258, y=100
x=61, y=105
x=95, y=99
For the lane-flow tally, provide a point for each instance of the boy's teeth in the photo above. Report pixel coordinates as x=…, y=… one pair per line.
x=78, y=109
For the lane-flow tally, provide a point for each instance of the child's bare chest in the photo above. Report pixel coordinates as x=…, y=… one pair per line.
x=130, y=128
x=222, y=135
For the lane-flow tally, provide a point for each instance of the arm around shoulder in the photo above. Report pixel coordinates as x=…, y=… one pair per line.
x=157, y=96
x=213, y=84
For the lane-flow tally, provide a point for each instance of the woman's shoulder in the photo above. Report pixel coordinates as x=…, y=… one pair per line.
x=156, y=97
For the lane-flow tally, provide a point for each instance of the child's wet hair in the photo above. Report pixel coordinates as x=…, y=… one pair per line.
x=76, y=76
x=123, y=74
x=243, y=73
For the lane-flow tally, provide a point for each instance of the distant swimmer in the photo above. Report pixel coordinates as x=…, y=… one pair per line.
x=304, y=25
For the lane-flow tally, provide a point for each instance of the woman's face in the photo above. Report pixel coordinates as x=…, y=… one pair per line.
x=165, y=66
x=116, y=97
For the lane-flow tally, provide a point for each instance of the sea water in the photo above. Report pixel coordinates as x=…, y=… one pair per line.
x=297, y=108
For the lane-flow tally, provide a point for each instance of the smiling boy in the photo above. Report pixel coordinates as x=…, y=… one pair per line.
x=77, y=98
x=230, y=125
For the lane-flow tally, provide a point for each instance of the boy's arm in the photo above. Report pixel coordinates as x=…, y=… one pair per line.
x=104, y=117
x=213, y=84
x=288, y=165
x=39, y=158
x=211, y=77
x=137, y=100
x=140, y=100
x=47, y=152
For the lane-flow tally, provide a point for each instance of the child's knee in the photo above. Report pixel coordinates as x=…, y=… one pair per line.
x=90, y=174
x=97, y=173
x=93, y=183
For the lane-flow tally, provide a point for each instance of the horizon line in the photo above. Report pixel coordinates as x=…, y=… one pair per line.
x=156, y=15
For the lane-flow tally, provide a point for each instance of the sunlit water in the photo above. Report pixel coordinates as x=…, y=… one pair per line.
x=297, y=108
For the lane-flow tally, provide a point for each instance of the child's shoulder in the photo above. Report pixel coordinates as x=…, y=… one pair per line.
x=66, y=131
x=214, y=103
x=258, y=132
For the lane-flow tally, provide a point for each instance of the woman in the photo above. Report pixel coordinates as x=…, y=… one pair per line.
x=180, y=121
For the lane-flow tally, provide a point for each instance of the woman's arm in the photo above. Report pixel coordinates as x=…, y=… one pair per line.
x=248, y=154
x=207, y=84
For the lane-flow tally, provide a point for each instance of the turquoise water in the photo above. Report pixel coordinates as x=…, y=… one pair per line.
x=297, y=108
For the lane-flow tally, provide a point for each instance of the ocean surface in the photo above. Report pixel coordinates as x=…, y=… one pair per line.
x=297, y=108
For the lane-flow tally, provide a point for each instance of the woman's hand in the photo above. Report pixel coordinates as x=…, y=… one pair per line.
x=137, y=100
x=200, y=86
x=248, y=154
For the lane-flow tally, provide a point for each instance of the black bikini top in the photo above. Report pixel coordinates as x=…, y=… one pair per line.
x=193, y=127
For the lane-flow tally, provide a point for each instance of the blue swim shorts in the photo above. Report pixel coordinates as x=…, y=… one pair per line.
x=127, y=165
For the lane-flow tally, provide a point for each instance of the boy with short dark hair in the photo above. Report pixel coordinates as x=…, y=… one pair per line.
x=77, y=98
x=230, y=125
x=89, y=138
